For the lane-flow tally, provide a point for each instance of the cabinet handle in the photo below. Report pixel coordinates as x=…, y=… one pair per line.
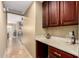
x=57, y=53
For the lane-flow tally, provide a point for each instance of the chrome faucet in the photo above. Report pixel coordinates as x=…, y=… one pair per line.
x=73, y=38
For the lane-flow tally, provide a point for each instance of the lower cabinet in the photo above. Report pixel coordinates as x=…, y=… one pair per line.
x=46, y=51
x=56, y=53
x=41, y=50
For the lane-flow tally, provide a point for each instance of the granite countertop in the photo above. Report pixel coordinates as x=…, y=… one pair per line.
x=60, y=43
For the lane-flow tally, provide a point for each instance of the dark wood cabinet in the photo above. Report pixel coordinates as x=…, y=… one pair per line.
x=56, y=53
x=45, y=14
x=59, y=13
x=53, y=9
x=46, y=51
x=41, y=50
x=50, y=55
x=68, y=13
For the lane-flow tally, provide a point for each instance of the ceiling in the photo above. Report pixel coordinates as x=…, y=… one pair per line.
x=18, y=7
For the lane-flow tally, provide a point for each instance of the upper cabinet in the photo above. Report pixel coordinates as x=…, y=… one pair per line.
x=68, y=15
x=45, y=14
x=57, y=13
x=53, y=17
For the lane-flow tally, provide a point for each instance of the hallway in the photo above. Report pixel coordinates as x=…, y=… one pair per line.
x=16, y=50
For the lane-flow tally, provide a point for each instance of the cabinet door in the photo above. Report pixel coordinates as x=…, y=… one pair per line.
x=68, y=13
x=56, y=53
x=45, y=14
x=41, y=50
x=53, y=13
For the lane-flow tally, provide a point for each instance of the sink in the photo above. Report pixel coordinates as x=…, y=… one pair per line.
x=69, y=42
x=64, y=40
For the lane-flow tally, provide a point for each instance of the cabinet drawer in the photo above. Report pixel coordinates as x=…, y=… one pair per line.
x=50, y=55
x=60, y=53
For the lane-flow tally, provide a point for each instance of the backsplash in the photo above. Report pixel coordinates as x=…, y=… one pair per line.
x=63, y=31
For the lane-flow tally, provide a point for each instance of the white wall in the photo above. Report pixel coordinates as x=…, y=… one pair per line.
x=3, y=31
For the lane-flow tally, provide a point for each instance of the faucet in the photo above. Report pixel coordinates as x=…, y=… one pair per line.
x=73, y=38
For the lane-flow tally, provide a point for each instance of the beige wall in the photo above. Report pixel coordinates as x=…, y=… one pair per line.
x=61, y=31
x=3, y=35
x=39, y=30
x=29, y=30
x=78, y=25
